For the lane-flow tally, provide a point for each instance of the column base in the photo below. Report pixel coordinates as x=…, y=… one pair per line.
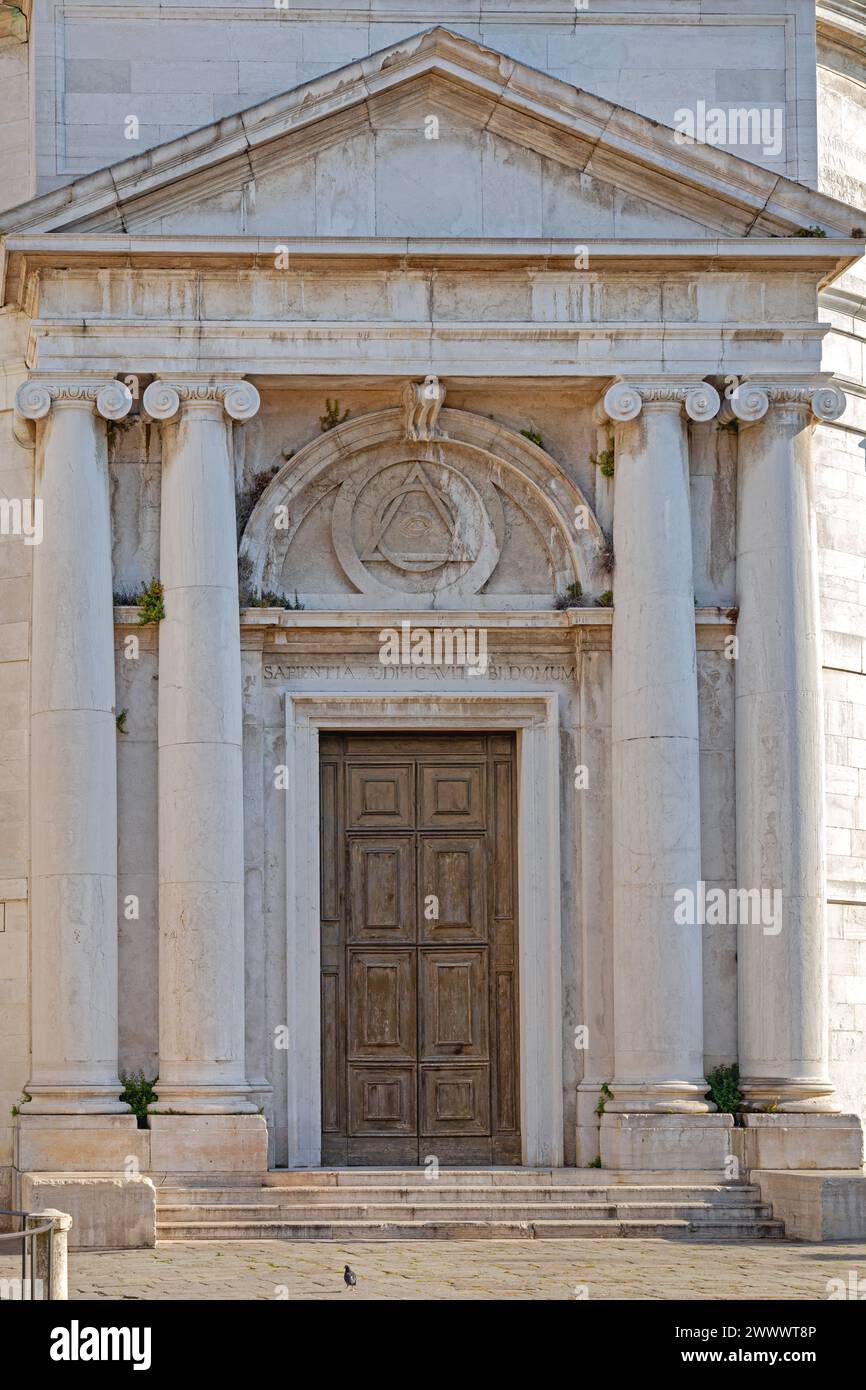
x=658, y=1098
x=801, y=1141
x=75, y=1100
x=788, y=1095
x=665, y=1142
x=209, y=1144
x=204, y=1100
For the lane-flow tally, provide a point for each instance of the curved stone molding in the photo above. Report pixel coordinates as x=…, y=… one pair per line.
x=112, y=399
x=239, y=399
x=160, y=401
x=622, y=402
x=114, y=402
x=702, y=402
x=625, y=400
x=423, y=524
x=752, y=399
x=828, y=402
x=749, y=402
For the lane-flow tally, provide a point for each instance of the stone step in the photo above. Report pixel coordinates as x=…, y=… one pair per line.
x=434, y=1192
x=459, y=1211
x=345, y=1231
x=482, y=1177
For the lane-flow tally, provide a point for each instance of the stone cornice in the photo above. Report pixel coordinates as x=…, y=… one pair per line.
x=842, y=22
x=28, y=253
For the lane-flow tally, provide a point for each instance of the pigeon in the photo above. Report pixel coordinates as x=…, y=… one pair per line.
x=350, y=1277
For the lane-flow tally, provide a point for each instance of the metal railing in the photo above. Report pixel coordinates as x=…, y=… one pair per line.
x=28, y=1236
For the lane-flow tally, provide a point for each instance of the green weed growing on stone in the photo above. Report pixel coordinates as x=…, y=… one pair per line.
x=138, y=1093
x=724, y=1084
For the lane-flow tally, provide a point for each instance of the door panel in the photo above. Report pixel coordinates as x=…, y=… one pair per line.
x=455, y=1100
x=382, y=1014
x=454, y=1004
x=419, y=950
x=382, y=888
x=452, y=797
x=453, y=872
x=381, y=797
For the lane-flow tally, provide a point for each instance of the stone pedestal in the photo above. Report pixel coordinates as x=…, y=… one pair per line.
x=109, y=1212
x=820, y=1206
x=686, y=1142
x=216, y=1145
x=802, y=1141
x=90, y=1143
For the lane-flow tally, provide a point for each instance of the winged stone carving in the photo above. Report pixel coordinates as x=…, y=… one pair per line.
x=422, y=402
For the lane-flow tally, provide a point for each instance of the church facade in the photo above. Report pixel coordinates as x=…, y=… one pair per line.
x=433, y=601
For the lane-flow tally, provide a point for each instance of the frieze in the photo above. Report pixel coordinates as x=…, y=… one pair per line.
x=278, y=672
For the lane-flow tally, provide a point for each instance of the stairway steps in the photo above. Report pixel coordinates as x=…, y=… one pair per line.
x=466, y=1230
x=283, y=1197
x=474, y=1204
x=416, y=1211
x=483, y=1177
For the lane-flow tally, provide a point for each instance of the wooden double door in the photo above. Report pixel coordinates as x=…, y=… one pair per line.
x=419, y=949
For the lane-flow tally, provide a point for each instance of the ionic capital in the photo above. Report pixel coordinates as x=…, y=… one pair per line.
x=111, y=399
x=625, y=400
x=751, y=400
x=239, y=399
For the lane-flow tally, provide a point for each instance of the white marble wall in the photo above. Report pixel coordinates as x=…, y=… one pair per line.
x=177, y=66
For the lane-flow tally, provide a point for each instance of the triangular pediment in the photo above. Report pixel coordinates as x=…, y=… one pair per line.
x=435, y=136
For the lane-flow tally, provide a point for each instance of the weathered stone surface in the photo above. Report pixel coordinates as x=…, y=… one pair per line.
x=802, y=1141
x=644, y=1142
x=109, y=1212
x=208, y=1143
x=816, y=1206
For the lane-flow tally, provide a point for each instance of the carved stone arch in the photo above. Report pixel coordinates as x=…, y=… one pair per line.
x=477, y=517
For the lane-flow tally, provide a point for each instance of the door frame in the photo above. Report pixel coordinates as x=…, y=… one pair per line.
x=534, y=719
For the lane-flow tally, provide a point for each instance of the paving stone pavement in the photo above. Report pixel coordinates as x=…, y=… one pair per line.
x=607, y=1269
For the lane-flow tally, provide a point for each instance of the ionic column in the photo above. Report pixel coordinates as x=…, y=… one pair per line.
x=781, y=949
x=658, y=989
x=73, y=779
x=201, y=848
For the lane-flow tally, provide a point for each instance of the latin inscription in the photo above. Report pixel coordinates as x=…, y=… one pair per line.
x=532, y=671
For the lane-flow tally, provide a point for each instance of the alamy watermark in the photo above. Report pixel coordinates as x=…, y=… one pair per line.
x=761, y=127
x=713, y=907
x=21, y=517
x=439, y=646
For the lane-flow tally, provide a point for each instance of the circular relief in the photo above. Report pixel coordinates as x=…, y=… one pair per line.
x=413, y=526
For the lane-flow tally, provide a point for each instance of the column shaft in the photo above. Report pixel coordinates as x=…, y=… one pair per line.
x=782, y=956
x=201, y=894
x=658, y=994
x=73, y=784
